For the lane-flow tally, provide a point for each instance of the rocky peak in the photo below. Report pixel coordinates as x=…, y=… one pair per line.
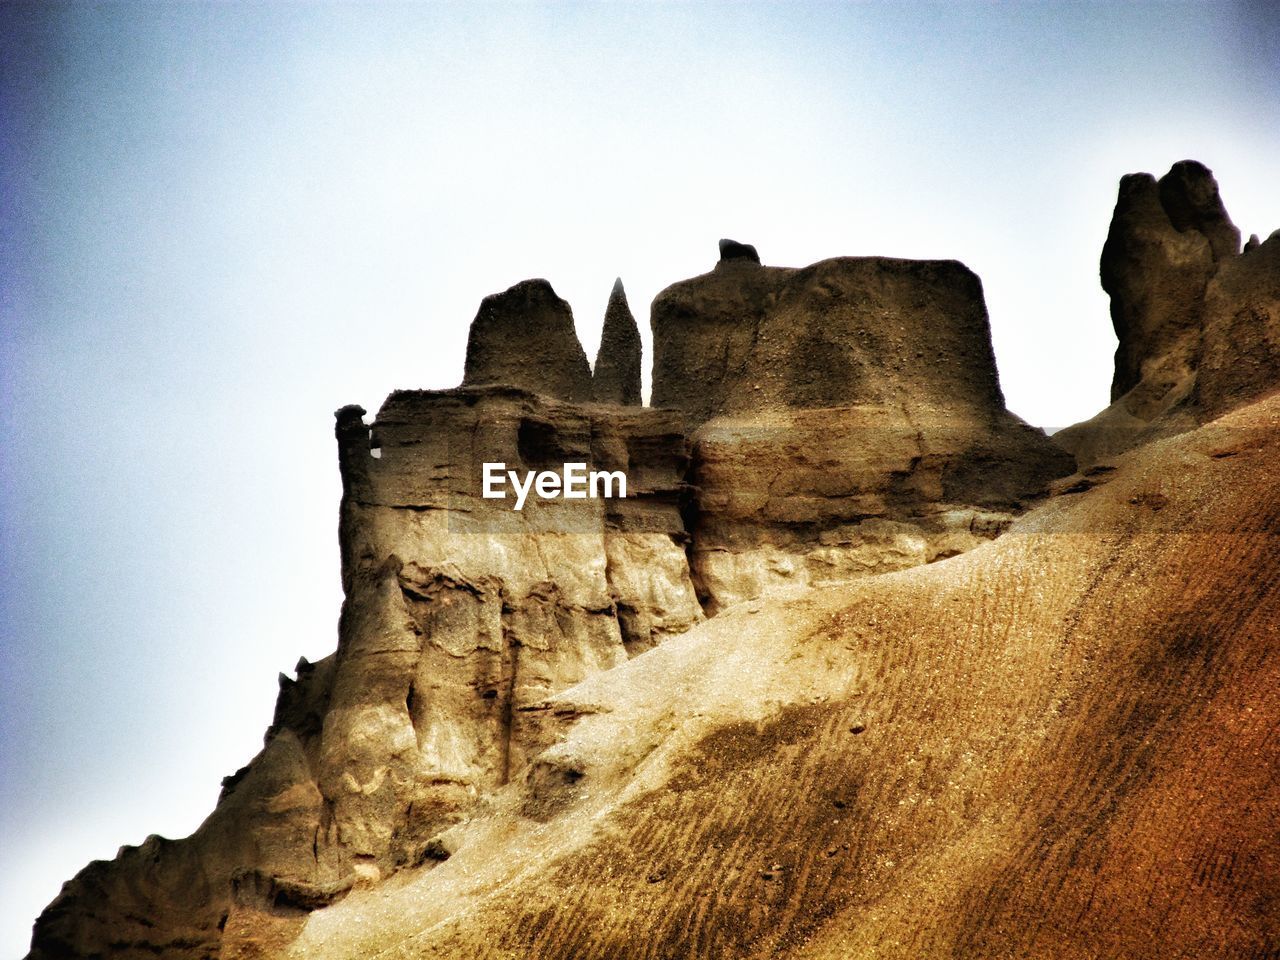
x=524, y=337
x=1166, y=239
x=1189, y=195
x=1197, y=319
x=616, y=378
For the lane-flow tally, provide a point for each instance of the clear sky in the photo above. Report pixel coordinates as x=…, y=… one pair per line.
x=221, y=222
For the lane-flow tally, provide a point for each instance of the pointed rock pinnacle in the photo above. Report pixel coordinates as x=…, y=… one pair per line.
x=617, y=372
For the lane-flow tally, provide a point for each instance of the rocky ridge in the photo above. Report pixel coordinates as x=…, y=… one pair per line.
x=809, y=427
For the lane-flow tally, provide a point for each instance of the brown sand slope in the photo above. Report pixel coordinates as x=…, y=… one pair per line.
x=1062, y=744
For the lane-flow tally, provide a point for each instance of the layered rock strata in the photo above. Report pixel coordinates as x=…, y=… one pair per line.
x=847, y=418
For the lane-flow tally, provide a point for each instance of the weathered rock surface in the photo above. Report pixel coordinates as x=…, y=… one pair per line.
x=746, y=338
x=1060, y=745
x=812, y=497
x=461, y=618
x=524, y=337
x=616, y=377
x=849, y=420
x=1240, y=349
x=1198, y=321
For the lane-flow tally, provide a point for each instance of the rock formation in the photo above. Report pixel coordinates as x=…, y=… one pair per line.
x=733, y=250
x=633, y=728
x=1198, y=321
x=1059, y=745
x=461, y=617
x=842, y=331
x=1165, y=239
x=524, y=337
x=847, y=420
x=1240, y=348
x=616, y=377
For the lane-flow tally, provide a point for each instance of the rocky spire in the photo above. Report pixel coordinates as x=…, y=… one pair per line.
x=524, y=337
x=1167, y=239
x=617, y=371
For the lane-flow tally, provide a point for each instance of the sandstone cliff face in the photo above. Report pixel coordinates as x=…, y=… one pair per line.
x=1198, y=321
x=462, y=616
x=849, y=420
x=747, y=337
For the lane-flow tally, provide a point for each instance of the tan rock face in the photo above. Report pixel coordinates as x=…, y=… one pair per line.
x=1060, y=745
x=812, y=497
x=1165, y=241
x=500, y=607
x=816, y=426
x=746, y=337
x=462, y=616
x=1240, y=349
x=850, y=420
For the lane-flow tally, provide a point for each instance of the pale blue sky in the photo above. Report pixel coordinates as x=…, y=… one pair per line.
x=221, y=222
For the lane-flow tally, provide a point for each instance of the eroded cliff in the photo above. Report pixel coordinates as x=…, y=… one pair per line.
x=1059, y=745
x=847, y=419
x=796, y=775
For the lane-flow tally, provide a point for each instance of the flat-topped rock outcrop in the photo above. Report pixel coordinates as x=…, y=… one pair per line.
x=848, y=420
x=745, y=338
